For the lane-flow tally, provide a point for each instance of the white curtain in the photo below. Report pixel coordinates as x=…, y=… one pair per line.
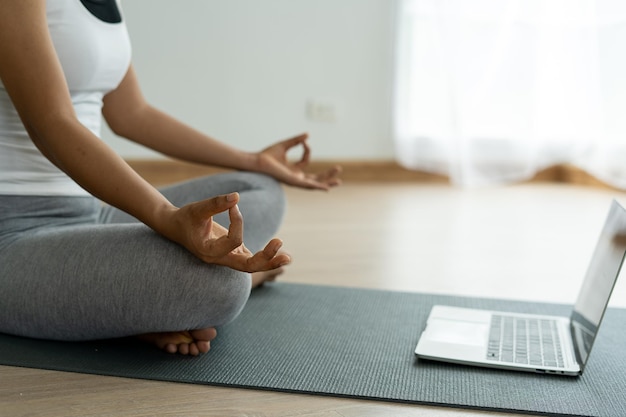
x=491, y=91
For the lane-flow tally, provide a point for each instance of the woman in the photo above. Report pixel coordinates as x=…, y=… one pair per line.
x=167, y=266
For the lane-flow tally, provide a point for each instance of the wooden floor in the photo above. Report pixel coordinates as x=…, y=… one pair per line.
x=529, y=242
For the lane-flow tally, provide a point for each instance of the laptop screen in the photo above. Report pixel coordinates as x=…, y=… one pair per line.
x=602, y=273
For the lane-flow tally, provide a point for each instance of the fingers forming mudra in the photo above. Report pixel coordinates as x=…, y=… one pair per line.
x=215, y=244
x=269, y=258
x=273, y=161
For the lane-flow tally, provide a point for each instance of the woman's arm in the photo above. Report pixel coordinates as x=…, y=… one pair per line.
x=32, y=76
x=130, y=116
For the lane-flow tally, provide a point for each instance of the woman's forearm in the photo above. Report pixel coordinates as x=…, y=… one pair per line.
x=165, y=134
x=129, y=115
x=100, y=171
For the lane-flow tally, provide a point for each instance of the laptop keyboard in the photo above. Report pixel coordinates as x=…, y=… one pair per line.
x=524, y=341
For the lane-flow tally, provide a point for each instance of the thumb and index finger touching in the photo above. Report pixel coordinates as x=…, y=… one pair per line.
x=202, y=233
x=219, y=204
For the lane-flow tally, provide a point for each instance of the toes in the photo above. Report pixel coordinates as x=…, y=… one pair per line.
x=203, y=346
x=203, y=334
x=193, y=349
x=192, y=342
x=183, y=349
x=201, y=342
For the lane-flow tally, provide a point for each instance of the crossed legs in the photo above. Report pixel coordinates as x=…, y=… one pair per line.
x=117, y=278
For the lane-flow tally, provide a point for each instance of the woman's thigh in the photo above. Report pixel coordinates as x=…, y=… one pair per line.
x=102, y=281
x=21, y=215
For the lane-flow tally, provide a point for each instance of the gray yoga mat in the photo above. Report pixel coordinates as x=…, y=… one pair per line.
x=351, y=343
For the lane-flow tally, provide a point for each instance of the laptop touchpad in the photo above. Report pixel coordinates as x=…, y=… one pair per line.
x=457, y=332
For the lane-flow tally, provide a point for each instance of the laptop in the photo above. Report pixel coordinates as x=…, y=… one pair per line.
x=531, y=342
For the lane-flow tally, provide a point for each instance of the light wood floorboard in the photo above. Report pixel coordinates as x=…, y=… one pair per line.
x=528, y=242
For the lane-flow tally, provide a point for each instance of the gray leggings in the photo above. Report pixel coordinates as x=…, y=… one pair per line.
x=71, y=269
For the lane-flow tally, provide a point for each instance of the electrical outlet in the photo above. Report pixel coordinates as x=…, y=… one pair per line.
x=321, y=110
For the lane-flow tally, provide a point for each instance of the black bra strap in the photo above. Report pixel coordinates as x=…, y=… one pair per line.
x=105, y=10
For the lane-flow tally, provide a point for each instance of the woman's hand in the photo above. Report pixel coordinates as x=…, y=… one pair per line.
x=273, y=161
x=214, y=244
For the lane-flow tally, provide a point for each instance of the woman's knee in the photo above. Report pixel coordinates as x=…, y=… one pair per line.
x=225, y=301
x=270, y=186
x=237, y=296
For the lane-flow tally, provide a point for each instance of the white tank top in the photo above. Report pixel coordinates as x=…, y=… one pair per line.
x=92, y=43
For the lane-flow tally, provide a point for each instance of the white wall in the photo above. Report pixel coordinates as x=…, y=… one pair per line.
x=244, y=70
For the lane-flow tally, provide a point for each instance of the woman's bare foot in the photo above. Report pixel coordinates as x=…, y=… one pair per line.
x=193, y=342
x=259, y=278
